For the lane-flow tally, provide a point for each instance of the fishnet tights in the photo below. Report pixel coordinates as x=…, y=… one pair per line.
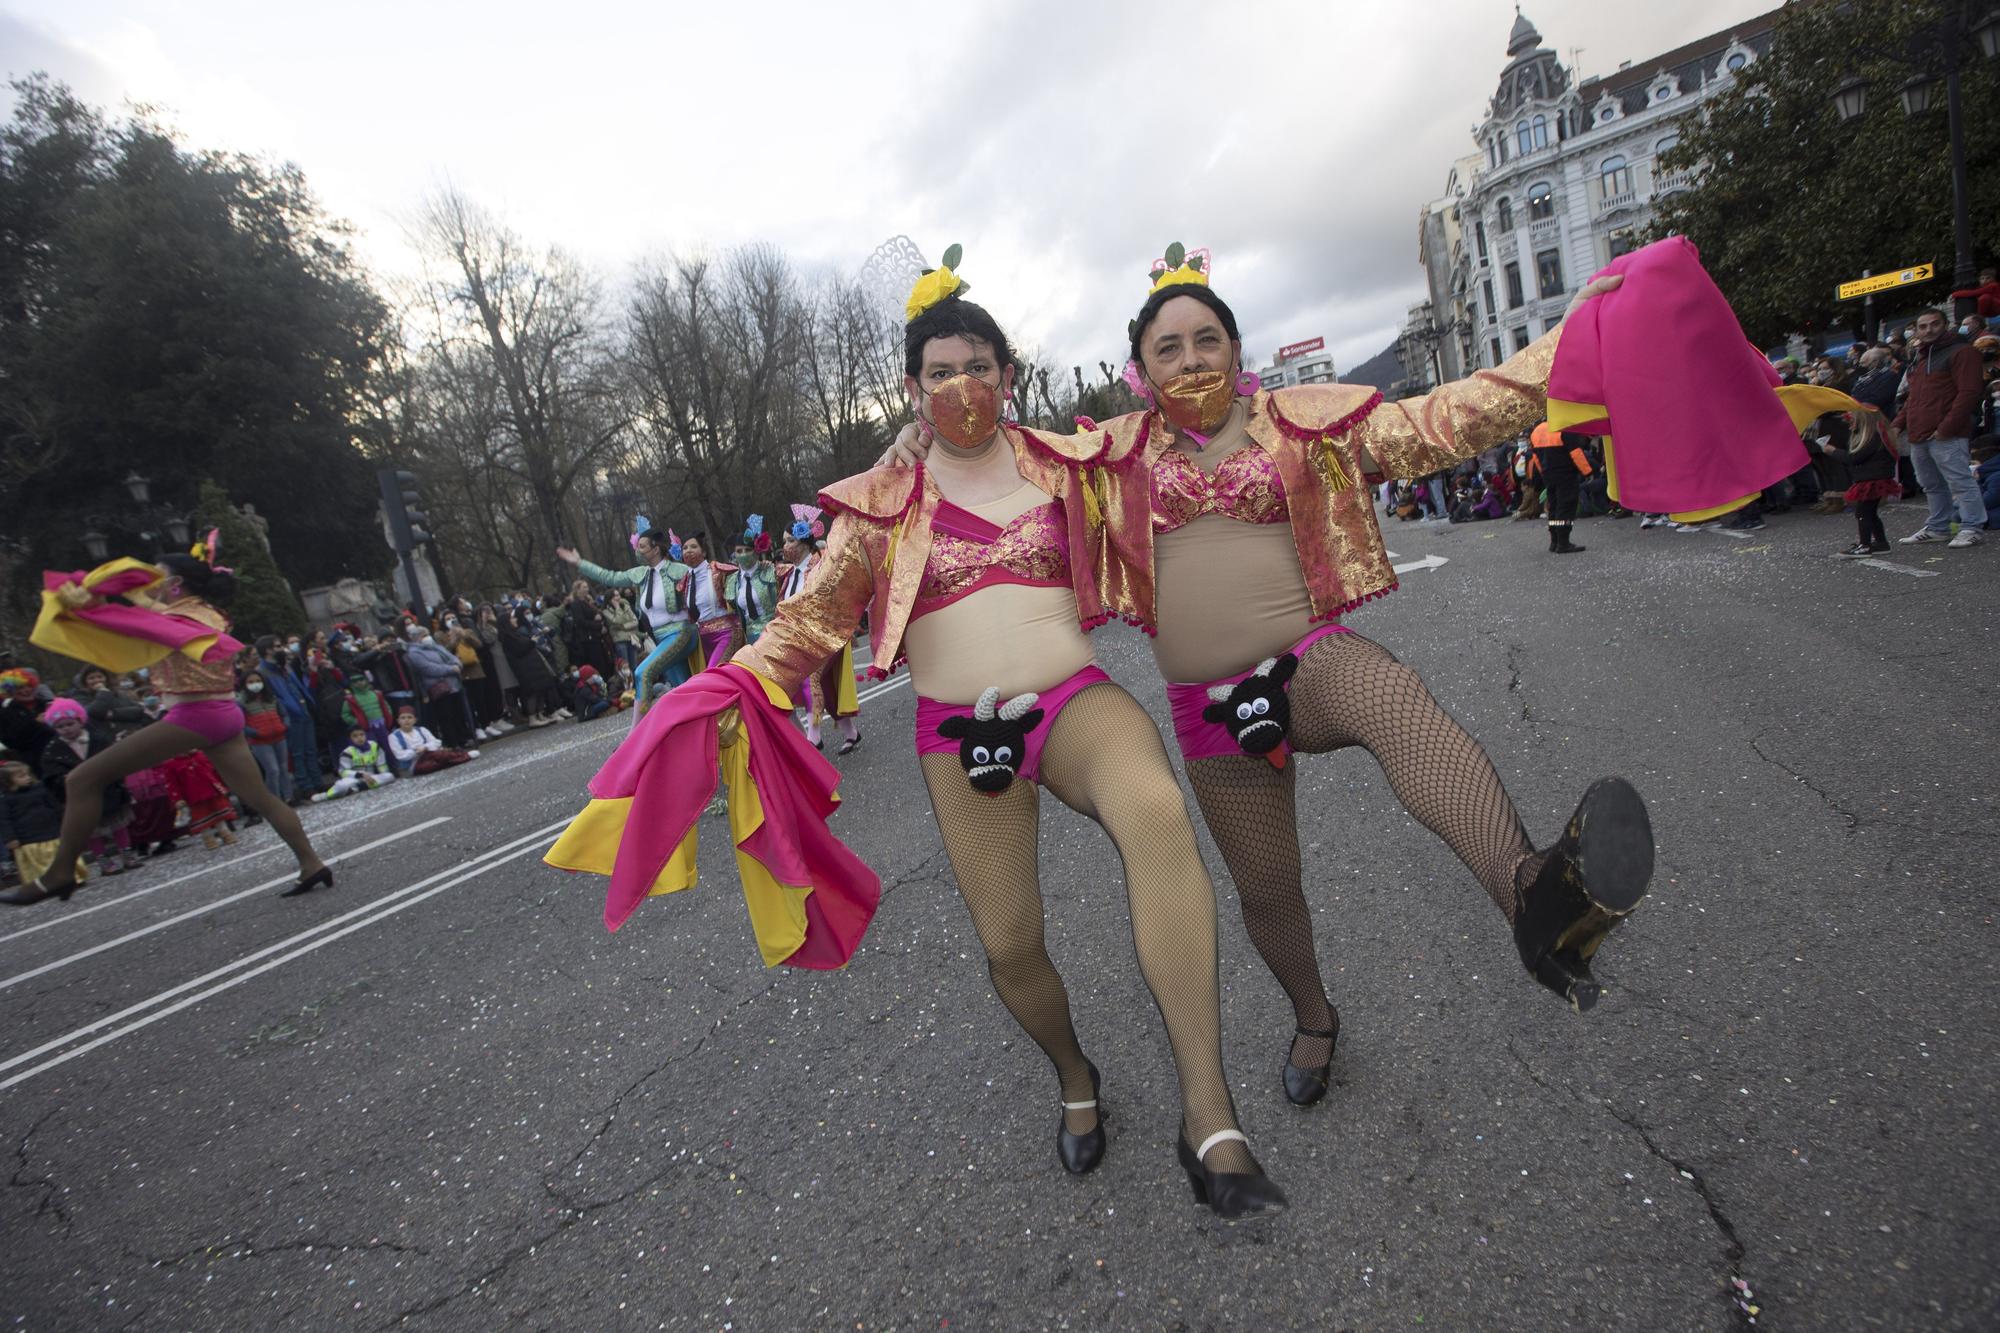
x=1352, y=691
x=1104, y=760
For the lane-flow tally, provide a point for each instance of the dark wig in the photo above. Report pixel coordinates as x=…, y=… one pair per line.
x=214, y=586
x=952, y=318
x=1151, y=311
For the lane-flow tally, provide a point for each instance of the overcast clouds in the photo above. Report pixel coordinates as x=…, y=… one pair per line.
x=1064, y=144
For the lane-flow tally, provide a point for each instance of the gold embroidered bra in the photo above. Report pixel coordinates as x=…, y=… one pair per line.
x=1245, y=486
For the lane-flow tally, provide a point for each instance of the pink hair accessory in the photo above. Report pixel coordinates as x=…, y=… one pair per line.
x=62, y=708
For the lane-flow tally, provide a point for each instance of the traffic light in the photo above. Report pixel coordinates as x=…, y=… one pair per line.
x=409, y=526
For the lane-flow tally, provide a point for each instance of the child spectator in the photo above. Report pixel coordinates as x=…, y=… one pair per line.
x=589, y=700
x=416, y=750
x=152, y=829
x=1986, y=471
x=30, y=822
x=1863, y=437
x=364, y=766
x=264, y=728
x=202, y=799
x=364, y=707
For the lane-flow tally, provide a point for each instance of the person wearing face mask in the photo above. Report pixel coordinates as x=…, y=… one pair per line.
x=76, y=740
x=125, y=615
x=976, y=570
x=264, y=728
x=1946, y=379
x=753, y=589
x=658, y=584
x=283, y=681
x=709, y=592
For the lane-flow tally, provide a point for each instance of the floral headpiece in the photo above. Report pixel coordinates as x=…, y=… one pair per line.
x=1180, y=265
x=754, y=534
x=936, y=284
x=673, y=545
x=209, y=549
x=807, y=525
x=641, y=525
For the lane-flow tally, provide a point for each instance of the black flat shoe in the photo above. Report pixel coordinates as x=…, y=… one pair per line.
x=1594, y=877
x=1305, y=1085
x=850, y=746
x=1229, y=1196
x=1080, y=1153
x=319, y=879
x=34, y=891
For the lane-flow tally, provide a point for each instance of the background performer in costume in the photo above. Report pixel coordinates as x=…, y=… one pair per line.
x=830, y=692
x=110, y=617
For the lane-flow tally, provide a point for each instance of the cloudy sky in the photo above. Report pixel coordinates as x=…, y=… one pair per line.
x=1063, y=143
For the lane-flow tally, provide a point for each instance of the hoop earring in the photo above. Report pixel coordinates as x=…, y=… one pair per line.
x=1248, y=383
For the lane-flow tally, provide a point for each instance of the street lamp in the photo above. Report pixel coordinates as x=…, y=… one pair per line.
x=1850, y=97
x=140, y=489
x=1934, y=48
x=97, y=544
x=177, y=532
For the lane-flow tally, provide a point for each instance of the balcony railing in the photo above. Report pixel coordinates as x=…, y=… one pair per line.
x=1544, y=229
x=1672, y=180
x=1623, y=199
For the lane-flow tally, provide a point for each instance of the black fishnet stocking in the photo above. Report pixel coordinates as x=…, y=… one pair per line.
x=1352, y=691
x=1104, y=759
x=1250, y=808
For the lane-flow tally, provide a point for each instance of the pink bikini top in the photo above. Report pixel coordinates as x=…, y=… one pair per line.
x=969, y=553
x=1245, y=486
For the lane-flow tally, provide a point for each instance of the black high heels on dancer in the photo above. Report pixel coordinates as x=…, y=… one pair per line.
x=1229, y=1195
x=1080, y=1153
x=1306, y=1084
x=25, y=895
x=319, y=879
x=1591, y=880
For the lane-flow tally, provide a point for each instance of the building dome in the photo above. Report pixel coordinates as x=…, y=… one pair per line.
x=1524, y=37
x=1533, y=72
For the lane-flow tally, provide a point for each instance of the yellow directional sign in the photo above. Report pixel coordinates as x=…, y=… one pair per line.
x=1882, y=282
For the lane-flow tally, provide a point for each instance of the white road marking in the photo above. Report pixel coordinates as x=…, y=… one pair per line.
x=877, y=691
x=205, y=908
x=379, y=805
x=381, y=910
x=1900, y=569
x=1428, y=562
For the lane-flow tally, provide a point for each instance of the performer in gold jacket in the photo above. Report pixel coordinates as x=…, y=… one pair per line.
x=978, y=569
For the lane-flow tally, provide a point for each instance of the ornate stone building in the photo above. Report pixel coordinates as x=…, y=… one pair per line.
x=1563, y=181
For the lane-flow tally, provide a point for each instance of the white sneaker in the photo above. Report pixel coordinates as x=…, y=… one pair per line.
x=540, y=721
x=1966, y=537
x=565, y=714
x=319, y=796
x=500, y=728
x=472, y=754
x=479, y=734
x=1922, y=537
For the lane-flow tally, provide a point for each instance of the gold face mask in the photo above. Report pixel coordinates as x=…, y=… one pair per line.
x=966, y=411
x=1198, y=400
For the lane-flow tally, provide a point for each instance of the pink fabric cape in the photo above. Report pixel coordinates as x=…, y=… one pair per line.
x=171, y=632
x=1689, y=402
x=668, y=766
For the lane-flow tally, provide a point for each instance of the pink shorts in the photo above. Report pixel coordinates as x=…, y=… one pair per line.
x=214, y=720
x=1051, y=701
x=1202, y=739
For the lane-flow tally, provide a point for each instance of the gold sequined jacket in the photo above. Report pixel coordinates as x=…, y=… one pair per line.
x=878, y=545
x=1329, y=442
x=180, y=676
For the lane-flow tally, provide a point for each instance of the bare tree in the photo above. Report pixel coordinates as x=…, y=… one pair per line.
x=712, y=352
x=516, y=372
x=852, y=375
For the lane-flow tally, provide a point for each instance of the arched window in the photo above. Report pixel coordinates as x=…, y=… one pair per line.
x=1666, y=143
x=1541, y=131
x=1505, y=209
x=1614, y=177
x=1524, y=138
x=1541, y=202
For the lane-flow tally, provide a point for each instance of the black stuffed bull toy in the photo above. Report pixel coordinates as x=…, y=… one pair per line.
x=1257, y=710
x=993, y=742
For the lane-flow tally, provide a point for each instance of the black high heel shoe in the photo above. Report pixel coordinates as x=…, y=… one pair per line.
x=26, y=895
x=1594, y=877
x=1080, y=1153
x=1305, y=1085
x=319, y=879
x=1229, y=1195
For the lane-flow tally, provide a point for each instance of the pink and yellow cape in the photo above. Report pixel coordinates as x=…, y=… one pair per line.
x=118, y=637
x=810, y=898
x=1697, y=421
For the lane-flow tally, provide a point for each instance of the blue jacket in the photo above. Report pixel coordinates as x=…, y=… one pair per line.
x=287, y=690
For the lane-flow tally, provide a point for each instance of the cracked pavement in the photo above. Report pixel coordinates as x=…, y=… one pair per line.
x=487, y=1112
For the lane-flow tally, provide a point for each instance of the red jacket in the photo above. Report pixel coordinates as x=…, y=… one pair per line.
x=1988, y=297
x=1945, y=383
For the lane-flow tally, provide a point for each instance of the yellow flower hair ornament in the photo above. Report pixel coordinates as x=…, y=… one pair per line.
x=936, y=284
x=1180, y=265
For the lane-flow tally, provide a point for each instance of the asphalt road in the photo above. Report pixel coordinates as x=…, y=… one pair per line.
x=441, y=1096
